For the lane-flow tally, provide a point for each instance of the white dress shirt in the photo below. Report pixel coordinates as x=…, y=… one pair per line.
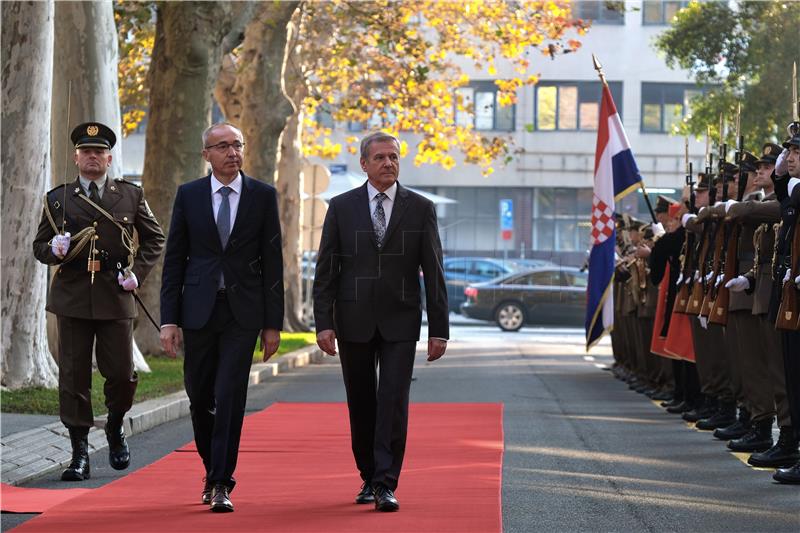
x=233, y=197
x=388, y=203
x=101, y=185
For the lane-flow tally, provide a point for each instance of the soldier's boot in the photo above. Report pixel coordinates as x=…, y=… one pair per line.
x=723, y=417
x=759, y=438
x=738, y=429
x=785, y=453
x=788, y=475
x=708, y=408
x=119, y=456
x=78, y=469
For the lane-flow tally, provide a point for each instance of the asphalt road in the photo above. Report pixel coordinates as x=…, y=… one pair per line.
x=582, y=452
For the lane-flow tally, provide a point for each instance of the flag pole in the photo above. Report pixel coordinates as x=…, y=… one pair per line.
x=599, y=68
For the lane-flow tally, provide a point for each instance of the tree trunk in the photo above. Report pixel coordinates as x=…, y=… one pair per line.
x=85, y=71
x=86, y=57
x=27, y=83
x=186, y=59
x=265, y=106
x=290, y=184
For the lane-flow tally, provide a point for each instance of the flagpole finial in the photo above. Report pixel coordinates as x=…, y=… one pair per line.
x=599, y=68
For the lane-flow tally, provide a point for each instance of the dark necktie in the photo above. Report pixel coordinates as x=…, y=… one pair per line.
x=224, y=216
x=94, y=194
x=379, y=219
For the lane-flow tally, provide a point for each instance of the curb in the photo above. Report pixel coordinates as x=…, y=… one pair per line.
x=30, y=454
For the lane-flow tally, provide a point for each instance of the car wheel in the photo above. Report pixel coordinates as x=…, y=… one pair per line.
x=509, y=316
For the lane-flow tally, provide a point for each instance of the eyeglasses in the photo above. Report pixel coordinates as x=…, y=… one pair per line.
x=224, y=147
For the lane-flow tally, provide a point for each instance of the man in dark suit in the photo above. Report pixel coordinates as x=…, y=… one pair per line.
x=222, y=284
x=367, y=294
x=93, y=299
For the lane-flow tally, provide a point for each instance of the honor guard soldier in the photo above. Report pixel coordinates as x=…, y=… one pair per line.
x=87, y=233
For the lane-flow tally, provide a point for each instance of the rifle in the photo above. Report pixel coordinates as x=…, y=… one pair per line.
x=719, y=236
x=695, y=304
x=687, y=266
x=788, y=311
x=730, y=268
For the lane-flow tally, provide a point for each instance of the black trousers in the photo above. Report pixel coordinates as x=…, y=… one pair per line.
x=791, y=363
x=114, y=350
x=216, y=371
x=377, y=378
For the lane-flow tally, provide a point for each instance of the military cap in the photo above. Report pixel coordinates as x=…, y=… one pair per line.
x=663, y=203
x=794, y=140
x=703, y=181
x=729, y=168
x=748, y=161
x=93, y=134
x=769, y=154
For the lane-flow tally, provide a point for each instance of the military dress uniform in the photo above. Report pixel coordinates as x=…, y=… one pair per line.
x=85, y=295
x=790, y=210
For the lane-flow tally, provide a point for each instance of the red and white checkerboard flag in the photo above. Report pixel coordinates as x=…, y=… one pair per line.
x=615, y=175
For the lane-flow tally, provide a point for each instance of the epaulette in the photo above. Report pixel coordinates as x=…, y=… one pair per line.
x=123, y=180
x=57, y=187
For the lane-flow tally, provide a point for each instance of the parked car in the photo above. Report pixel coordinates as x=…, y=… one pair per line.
x=545, y=295
x=459, y=272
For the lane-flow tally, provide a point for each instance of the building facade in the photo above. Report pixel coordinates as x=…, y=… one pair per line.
x=553, y=127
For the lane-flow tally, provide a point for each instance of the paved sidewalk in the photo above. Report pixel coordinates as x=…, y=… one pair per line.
x=31, y=453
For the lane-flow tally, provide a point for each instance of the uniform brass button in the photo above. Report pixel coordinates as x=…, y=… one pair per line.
x=94, y=223
x=125, y=219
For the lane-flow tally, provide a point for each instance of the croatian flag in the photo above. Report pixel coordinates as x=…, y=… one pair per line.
x=615, y=175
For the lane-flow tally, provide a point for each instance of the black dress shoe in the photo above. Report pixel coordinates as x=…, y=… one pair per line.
x=679, y=408
x=385, y=500
x=699, y=413
x=783, y=455
x=724, y=417
x=788, y=475
x=220, y=499
x=208, y=490
x=119, y=455
x=78, y=468
x=758, y=440
x=366, y=494
x=661, y=396
x=735, y=431
x=671, y=403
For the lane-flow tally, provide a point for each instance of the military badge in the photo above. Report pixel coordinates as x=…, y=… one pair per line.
x=92, y=130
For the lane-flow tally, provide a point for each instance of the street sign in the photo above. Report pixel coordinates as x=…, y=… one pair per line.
x=507, y=219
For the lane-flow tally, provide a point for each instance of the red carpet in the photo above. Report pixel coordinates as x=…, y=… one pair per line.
x=296, y=474
x=23, y=500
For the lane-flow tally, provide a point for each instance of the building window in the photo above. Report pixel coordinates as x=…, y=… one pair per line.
x=601, y=12
x=660, y=12
x=571, y=105
x=665, y=104
x=481, y=110
x=561, y=219
x=324, y=118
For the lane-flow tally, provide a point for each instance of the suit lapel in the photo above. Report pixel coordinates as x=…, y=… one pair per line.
x=245, y=198
x=75, y=190
x=111, y=195
x=398, y=210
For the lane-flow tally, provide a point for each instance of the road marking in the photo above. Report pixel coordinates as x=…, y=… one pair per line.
x=598, y=365
x=744, y=456
x=588, y=358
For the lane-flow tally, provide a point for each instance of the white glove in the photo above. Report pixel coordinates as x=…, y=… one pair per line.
x=797, y=281
x=717, y=204
x=701, y=209
x=697, y=275
x=794, y=182
x=60, y=244
x=719, y=280
x=709, y=276
x=780, y=165
x=788, y=275
x=658, y=229
x=680, y=278
x=686, y=218
x=128, y=283
x=738, y=284
x=729, y=203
